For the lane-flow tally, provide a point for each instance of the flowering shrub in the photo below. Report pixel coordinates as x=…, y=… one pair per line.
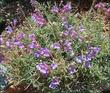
x=57, y=54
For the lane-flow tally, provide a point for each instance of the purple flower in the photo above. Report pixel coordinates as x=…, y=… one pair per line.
x=84, y=58
x=66, y=26
x=14, y=22
x=99, y=5
x=1, y=40
x=56, y=46
x=9, y=29
x=66, y=8
x=37, y=54
x=73, y=34
x=1, y=57
x=87, y=58
x=9, y=43
x=67, y=46
x=54, y=66
x=88, y=64
x=108, y=11
x=72, y=69
x=17, y=42
x=54, y=83
x=66, y=33
x=79, y=59
x=55, y=9
x=70, y=28
x=20, y=36
x=43, y=68
x=46, y=52
x=33, y=16
x=64, y=19
x=21, y=46
x=38, y=19
x=33, y=45
x=32, y=37
x=43, y=52
x=93, y=51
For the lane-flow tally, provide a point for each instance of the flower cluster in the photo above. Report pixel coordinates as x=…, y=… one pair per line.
x=38, y=19
x=55, y=9
x=20, y=36
x=42, y=52
x=45, y=68
x=54, y=83
x=66, y=8
x=72, y=69
x=91, y=53
x=9, y=28
x=65, y=45
x=34, y=44
x=100, y=5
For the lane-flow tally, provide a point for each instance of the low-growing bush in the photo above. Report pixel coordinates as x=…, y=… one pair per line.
x=58, y=52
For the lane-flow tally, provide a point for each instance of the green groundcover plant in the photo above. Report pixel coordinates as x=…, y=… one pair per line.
x=56, y=51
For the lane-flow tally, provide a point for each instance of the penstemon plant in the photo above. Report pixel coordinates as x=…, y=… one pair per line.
x=58, y=54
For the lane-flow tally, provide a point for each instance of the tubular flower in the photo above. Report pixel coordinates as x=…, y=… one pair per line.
x=43, y=68
x=43, y=52
x=54, y=66
x=93, y=51
x=88, y=64
x=20, y=36
x=33, y=45
x=38, y=19
x=56, y=46
x=32, y=37
x=55, y=9
x=54, y=83
x=9, y=29
x=67, y=46
x=14, y=22
x=9, y=44
x=99, y=5
x=79, y=59
x=66, y=8
x=72, y=69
